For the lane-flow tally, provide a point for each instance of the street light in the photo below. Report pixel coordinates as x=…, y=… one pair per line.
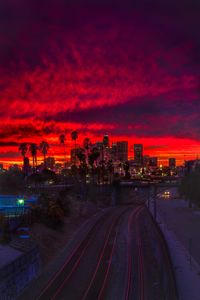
x=20, y=202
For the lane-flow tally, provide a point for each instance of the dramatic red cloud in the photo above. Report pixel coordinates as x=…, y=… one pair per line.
x=114, y=70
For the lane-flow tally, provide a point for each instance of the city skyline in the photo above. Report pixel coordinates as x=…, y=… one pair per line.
x=129, y=70
x=66, y=155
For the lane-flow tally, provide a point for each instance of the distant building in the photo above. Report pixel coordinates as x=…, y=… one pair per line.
x=14, y=167
x=1, y=166
x=50, y=162
x=138, y=154
x=106, y=141
x=153, y=162
x=58, y=167
x=113, y=152
x=122, y=151
x=172, y=163
x=146, y=159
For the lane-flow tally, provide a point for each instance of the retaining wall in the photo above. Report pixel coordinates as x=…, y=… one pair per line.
x=17, y=274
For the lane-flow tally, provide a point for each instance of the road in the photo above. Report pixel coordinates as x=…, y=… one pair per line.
x=123, y=256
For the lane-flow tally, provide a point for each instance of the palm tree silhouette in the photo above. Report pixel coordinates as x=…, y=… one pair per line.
x=23, y=148
x=80, y=153
x=92, y=158
x=86, y=146
x=33, y=150
x=62, y=139
x=44, y=147
x=74, y=136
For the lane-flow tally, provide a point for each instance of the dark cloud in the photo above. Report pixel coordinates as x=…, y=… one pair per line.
x=147, y=116
x=10, y=154
x=4, y=144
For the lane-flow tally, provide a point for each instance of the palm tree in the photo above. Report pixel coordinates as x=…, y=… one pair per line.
x=74, y=136
x=92, y=158
x=62, y=139
x=44, y=147
x=23, y=148
x=80, y=153
x=86, y=146
x=33, y=149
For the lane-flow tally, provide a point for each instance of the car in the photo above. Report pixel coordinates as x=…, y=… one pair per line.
x=166, y=195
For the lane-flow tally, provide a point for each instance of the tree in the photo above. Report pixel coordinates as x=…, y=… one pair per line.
x=80, y=153
x=62, y=139
x=33, y=150
x=86, y=143
x=126, y=167
x=93, y=156
x=12, y=181
x=5, y=231
x=86, y=146
x=83, y=170
x=102, y=171
x=74, y=136
x=23, y=148
x=55, y=214
x=190, y=187
x=44, y=147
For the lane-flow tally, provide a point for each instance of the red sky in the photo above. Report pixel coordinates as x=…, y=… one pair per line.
x=127, y=70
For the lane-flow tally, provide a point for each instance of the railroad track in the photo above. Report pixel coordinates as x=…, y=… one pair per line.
x=170, y=282
x=99, y=277
x=94, y=271
x=130, y=286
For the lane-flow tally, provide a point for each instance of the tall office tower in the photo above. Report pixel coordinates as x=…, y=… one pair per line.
x=106, y=142
x=138, y=154
x=113, y=152
x=153, y=162
x=172, y=163
x=122, y=151
x=146, y=160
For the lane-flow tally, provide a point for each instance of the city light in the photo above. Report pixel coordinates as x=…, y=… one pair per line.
x=20, y=202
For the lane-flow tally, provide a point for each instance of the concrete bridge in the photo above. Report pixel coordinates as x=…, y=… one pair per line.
x=144, y=184
x=49, y=188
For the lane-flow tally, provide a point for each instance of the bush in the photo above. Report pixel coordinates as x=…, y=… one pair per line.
x=5, y=236
x=12, y=182
x=190, y=187
x=49, y=211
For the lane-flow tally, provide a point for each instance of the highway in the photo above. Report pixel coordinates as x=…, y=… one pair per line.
x=123, y=256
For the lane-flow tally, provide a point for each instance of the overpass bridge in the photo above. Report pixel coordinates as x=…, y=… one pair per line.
x=53, y=188
x=143, y=184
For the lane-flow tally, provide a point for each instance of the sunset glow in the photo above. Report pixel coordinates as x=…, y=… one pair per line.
x=130, y=72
